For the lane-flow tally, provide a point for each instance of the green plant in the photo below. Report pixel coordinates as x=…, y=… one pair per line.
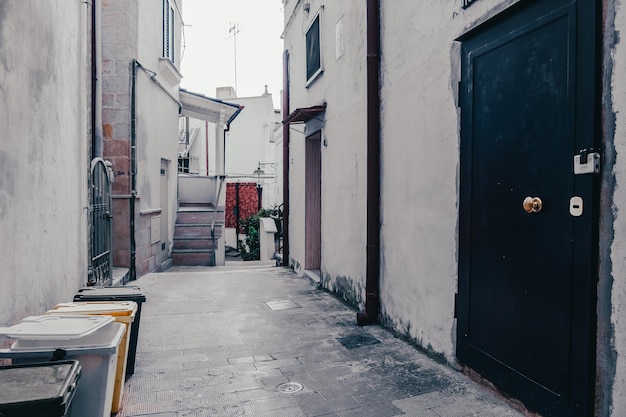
x=250, y=249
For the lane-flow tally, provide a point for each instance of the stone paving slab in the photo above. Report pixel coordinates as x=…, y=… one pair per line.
x=257, y=340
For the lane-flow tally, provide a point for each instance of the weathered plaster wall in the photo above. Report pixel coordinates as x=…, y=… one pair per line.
x=612, y=367
x=43, y=155
x=420, y=148
x=343, y=86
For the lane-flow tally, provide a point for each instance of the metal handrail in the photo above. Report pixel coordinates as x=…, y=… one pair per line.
x=217, y=200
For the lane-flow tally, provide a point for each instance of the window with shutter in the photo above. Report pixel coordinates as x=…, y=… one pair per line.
x=169, y=33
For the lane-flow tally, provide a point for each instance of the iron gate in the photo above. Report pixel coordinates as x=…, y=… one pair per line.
x=100, y=259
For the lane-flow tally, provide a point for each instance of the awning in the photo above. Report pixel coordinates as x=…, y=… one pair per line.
x=304, y=114
x=198, y=106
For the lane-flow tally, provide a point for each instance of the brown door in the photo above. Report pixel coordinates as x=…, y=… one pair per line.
x=313, y=202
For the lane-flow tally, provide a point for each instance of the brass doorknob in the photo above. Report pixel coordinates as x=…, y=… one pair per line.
x=532, y=204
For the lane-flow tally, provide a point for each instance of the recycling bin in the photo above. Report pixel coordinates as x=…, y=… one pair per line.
x=38, y=389
x=93, y=341
x=122, y=312
x=119, y=293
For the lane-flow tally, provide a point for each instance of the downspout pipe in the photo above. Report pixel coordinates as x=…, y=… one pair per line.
x=372, y=279
x=96, y=79
x=285, y=159
x=133, y=168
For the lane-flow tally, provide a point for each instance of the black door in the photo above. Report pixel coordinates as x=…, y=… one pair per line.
x=526, y=309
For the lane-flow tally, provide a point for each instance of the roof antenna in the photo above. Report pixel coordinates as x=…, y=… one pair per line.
x=234, y=30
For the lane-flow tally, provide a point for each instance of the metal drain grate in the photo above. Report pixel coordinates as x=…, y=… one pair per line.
x=357, y=340
x=289, y=387
x=281, y=304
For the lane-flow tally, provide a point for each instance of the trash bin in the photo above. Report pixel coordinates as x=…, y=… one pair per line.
x=119, y=293
x=122, y=312
x=91, y=340
x=38, y=389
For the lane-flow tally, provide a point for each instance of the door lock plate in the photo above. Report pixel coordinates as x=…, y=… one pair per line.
x=586, y=162
x=576, y=206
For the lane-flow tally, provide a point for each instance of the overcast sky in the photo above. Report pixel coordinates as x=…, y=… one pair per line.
x=208, y=59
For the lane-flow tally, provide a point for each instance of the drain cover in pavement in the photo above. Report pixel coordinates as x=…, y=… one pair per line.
x=281, y=304
x=357, y=340
x=289, y=387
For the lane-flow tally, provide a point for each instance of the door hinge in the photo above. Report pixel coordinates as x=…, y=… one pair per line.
x=458, y=98
x=456, y=303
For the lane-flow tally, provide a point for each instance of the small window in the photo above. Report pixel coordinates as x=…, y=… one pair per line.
x=168, y=32
x=313, y=58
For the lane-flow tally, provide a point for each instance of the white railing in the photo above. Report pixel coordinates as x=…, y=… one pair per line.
x=197, y=189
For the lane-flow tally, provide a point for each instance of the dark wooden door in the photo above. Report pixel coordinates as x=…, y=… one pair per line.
x=313, y=202
x=526, y=280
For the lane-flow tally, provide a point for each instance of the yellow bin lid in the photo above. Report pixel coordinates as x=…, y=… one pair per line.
x=117, y=309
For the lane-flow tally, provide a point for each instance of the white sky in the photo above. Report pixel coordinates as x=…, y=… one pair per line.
x=208, y=59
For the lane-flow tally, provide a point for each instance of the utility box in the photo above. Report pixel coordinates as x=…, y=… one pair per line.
x=267, y=233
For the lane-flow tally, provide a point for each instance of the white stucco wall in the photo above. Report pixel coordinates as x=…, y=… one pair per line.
x=420, y=161
x=43, y=155
x=343, y=86
x=157, y=113
x=248, y=141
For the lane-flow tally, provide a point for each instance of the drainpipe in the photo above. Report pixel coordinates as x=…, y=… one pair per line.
x=237, y=213
x=285, y=159
x=133, y=168
x=96, y=80
x=372, y=280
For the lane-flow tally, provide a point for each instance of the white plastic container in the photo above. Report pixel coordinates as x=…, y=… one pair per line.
x=122, y=312
x=96, y=350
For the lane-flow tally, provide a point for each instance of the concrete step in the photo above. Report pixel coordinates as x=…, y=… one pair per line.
x=192, y=257
x=195, y=204
x=193, y=242
x=199, y=216
x=201, y=230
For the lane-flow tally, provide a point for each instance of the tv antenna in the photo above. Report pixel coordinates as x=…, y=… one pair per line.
x=233, y=31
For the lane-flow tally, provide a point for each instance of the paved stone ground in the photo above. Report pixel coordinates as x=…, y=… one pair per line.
x=260, y=341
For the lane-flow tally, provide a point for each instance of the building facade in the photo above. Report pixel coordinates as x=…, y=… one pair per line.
x=454, y=173
x=140, y=59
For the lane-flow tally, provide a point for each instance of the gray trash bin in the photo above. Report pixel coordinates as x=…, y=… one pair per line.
x=38, y=389
x=119, y=293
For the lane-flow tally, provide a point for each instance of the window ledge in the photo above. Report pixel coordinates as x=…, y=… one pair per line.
x=313, y=78
x=169, y=71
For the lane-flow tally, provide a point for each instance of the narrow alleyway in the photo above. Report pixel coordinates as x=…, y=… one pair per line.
x=256, y=340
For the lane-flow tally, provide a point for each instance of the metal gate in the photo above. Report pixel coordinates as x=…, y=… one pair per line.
x=100, y=256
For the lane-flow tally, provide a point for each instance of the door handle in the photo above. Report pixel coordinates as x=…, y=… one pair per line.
x=532, y=204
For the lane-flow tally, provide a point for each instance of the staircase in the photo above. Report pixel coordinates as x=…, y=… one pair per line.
x=193, y=244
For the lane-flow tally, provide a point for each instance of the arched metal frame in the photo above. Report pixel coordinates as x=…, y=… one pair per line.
x=100, y=254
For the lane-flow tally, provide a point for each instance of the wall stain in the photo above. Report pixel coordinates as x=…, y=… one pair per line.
x=343, y=288
x=4, y=12
x=403, y=331
x=7, y=181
